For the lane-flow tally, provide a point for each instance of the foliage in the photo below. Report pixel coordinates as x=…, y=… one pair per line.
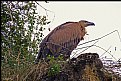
x=49, y=67
x=55, y=65
x=54, y=69
x=21, y=32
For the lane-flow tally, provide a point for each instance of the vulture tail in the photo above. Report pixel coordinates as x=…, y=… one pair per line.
x=43, y=53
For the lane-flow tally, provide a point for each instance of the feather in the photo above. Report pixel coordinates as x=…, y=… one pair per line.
x=65, y=37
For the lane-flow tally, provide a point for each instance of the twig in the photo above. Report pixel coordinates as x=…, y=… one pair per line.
x=102, y=37
x=119, y=36
x=43, y=7
x=10, y=12
x=33, y=68
x=101, y=48
x=96, y=46
x=85, y=49
x=17, y=59
x=46, y=11
x=106, y=51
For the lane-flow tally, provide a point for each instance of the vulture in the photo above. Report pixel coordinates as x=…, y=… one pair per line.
x=63, y=39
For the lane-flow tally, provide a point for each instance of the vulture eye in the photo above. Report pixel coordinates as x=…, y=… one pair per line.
x=85, y=21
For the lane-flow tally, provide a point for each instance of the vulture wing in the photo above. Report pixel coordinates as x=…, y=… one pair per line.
x=67, y=35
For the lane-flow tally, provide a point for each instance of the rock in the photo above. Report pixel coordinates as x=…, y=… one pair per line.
x=86, y=67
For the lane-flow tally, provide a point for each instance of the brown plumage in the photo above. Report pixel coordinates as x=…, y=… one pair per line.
x=63, y=39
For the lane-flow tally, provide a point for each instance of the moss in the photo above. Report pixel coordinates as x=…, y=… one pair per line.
x=89, y=74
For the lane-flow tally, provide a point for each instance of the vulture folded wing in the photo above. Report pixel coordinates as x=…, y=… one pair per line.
x=67, y=35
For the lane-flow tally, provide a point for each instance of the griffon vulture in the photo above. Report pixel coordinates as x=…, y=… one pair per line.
x=63, y=39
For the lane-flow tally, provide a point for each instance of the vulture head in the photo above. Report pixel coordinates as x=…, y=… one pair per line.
x=85, y=23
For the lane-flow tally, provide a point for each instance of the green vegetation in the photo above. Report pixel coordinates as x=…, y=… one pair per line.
x=21, y=32
x=55, y=65
x=49, y=67
x=54, y=69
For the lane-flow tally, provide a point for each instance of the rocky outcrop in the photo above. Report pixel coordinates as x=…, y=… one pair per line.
x=87, y=67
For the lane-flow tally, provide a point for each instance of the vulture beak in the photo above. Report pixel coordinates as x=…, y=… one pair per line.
x=90, y=24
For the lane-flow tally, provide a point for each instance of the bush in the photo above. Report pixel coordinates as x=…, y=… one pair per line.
x=21, y=32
